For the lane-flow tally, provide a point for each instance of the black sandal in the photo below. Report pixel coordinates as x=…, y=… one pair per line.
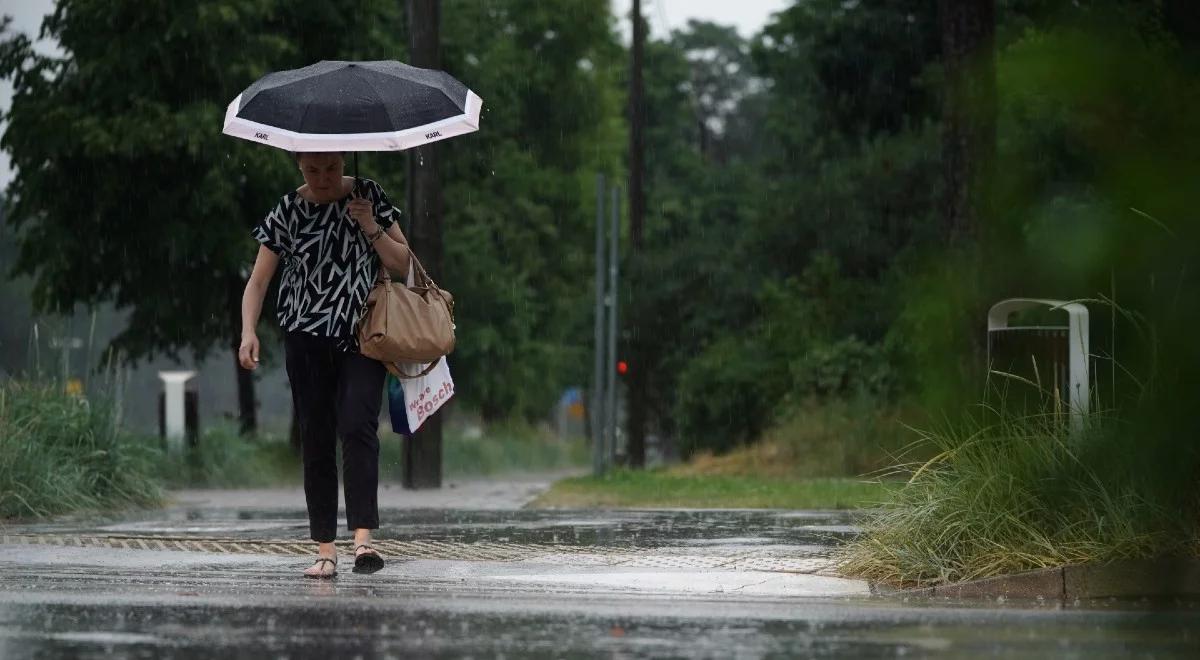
x=368, y=561
x=323, y=576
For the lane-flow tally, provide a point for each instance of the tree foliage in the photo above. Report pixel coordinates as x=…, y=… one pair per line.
x=519, y=194
x=793, y=239
x=126, y=190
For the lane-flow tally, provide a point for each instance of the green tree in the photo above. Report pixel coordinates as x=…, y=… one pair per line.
x=126, y=191
x=519, y=194
x=837, y=156
x=687, y=287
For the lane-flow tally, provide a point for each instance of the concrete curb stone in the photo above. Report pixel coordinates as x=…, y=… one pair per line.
x=1165, y=577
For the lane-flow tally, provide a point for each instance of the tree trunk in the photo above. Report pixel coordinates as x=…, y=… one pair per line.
x=638, y=358
x=247, y=408
x=968, y=30
x=423, y=452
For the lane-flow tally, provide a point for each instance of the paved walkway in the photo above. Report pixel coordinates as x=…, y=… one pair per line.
x=509, y=492
x=470, y=573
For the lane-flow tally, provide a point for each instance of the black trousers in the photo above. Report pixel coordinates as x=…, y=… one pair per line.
x=336, y=395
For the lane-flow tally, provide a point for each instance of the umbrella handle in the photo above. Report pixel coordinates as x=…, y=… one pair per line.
x=358, y=191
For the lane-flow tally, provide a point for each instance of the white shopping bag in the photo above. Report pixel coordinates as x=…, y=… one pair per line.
x=423, y=395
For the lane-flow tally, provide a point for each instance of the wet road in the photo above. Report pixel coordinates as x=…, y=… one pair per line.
x=596, y=584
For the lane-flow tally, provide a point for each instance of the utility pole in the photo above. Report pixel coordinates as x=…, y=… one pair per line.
x=423, y=452
x=638, y=359
x=596, y=403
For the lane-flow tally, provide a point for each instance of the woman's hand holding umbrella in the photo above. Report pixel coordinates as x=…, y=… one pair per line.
x=360, y=209
x=390, y=244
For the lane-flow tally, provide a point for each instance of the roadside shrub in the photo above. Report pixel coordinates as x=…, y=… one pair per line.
x=223, y=458
x=817, y=438
x=1005, y=494
x=509, y=447
x=63, y=454
x=727, y=394
x=846, y=367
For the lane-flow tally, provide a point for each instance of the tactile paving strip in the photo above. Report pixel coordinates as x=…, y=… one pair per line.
x=802, y=560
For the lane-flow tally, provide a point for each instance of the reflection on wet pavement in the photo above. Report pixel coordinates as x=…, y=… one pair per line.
x=585, y=588
x=524, y=628
x=630, y=529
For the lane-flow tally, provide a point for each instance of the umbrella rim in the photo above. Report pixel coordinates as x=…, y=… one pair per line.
x=415, y=136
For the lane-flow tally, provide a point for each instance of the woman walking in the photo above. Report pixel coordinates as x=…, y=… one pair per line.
x=332, y=239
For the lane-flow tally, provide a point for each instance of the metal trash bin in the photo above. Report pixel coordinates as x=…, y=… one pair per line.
x=1055, y=357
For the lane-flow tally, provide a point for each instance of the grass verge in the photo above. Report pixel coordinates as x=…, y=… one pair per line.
x=1006, y=493
x=502, y=448
x=63, y=454
x=829, y=438
x=663, y=489
x=60, y=454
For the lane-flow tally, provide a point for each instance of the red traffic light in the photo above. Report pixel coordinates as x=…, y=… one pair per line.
x=622, y=367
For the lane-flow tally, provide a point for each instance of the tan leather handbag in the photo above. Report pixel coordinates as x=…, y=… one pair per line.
x=407, y=323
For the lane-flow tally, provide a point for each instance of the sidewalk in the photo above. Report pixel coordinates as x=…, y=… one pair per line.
x=508, y=492
x=218, y=573
x=471, y=531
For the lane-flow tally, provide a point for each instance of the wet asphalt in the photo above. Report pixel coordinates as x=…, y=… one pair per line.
x=58, y=601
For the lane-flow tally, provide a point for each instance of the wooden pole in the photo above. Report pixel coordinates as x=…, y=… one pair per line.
x=423, y=452
x=638, y=359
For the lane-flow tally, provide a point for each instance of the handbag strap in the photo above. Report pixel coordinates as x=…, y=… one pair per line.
x=421, y=279
x=391, y=366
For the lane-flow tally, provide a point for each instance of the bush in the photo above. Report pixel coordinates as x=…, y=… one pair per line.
x=222, y=458
x=509, y=447
x=1006, y=494
x=799, y=346
x=847, y=367
x=62, y=454
x=831, y=438
x=727, y=395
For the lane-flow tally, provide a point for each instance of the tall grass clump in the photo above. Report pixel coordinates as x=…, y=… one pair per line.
x=223, y=458
x=63, y=454
x=1008, y=492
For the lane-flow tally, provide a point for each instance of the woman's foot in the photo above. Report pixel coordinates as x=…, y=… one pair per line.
x=367, y=559
x=324, y=567
x=326, y=564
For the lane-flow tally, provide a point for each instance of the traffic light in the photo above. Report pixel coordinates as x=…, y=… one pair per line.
x=622, y=367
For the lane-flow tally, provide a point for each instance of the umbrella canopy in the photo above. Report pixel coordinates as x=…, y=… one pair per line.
x=353, y=106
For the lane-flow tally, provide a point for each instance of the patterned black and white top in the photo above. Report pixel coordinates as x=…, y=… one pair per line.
x=329, y=265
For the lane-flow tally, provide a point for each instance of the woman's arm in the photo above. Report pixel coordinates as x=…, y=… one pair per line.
x=390, y=244
x=393, y=251
x=252, y=300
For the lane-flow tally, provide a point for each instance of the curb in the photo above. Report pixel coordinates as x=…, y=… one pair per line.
x=1168, y=577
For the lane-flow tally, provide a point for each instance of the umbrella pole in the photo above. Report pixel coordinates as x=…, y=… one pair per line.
x=356, y=186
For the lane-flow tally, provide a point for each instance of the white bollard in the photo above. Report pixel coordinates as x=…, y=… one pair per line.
x=173, y=382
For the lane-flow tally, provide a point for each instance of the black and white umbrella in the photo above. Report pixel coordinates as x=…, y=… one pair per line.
x=353, y=106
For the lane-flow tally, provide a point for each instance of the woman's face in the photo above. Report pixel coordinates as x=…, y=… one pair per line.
x=323, y=174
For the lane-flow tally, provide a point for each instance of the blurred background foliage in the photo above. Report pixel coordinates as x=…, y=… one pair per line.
x=795, y=252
